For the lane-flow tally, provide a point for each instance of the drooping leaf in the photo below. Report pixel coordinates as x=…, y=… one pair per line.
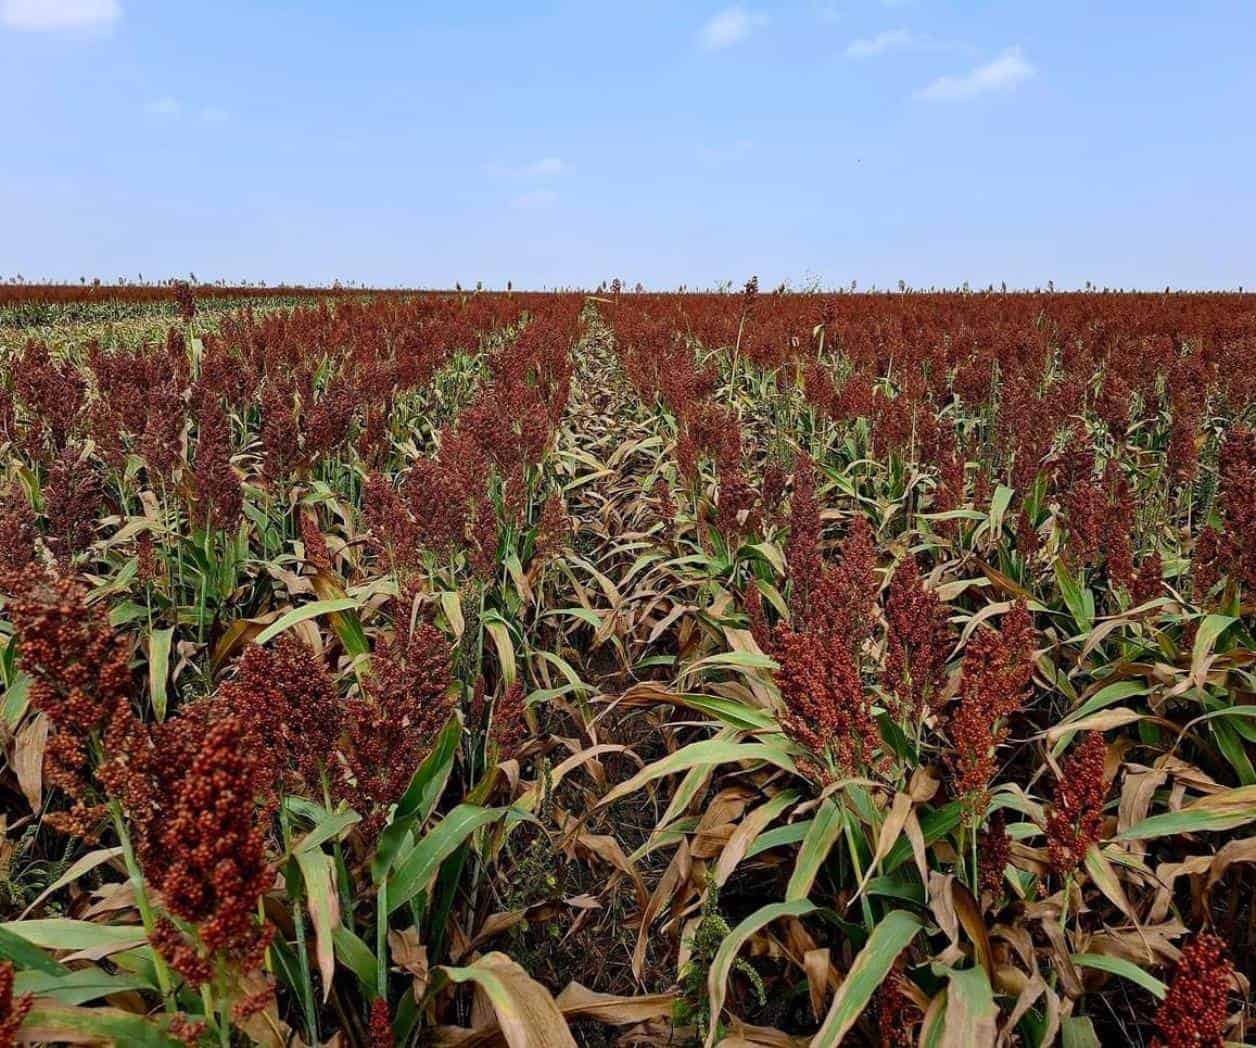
x=526, y=1014
x=726, y=955
x=888, y=939
x=306, y=611
x=825, y=828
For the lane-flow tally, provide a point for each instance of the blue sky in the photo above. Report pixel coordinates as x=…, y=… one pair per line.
x=564, y=143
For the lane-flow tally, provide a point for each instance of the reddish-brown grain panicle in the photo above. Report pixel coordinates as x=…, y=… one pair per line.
x=13, y=1010
x=392, y=725
x=281, y=436
x=18, y=531
x=1193, y=1012
x=1075, y=820
x=897, y=1014
x=994, y=853
x=917, y=641
x=554, y=528
x=317, y=555
x=827, y=709
x=1148, y=581
x=510, y=727
x=72, y=502
x=381, y=1024
x=219, y=494
x=207, y=853
x=997, y=667
x=802, y=552
x=81, y=680
x=290, y=709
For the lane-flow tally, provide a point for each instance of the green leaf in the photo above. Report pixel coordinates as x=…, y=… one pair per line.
x=733, y=713
x=16, y=701
x=998, y=508
x=585, y=615
x=1125, y=969
x=1217, y=812
x=778, y=837
x=333, y=824
x=419, y=800
x=26, y=955
x=500, y=635
x=770, y=552
x=67, y=1023
x=1234, y=751
x=722, y=963
x=1078, y=1031
x=825, y=828
x=306, y=611
x=1206, y=637
x=318, y=870
x=159, y=669
x=737, y=660
x=355, y=955
x=78, y=987
x=1077, y=598
x=416, y=868
x=61, y=933
x=710, y=752
x=888, y=939
x=971, y=1014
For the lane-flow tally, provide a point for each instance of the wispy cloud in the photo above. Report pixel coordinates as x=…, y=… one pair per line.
x=51, y=15
x=537, y=200
x=546, y=167
x=728, y=27
x=1008, y=70
x=550, y=165
x=164, y=106
x=214, y=114
x=890, y=40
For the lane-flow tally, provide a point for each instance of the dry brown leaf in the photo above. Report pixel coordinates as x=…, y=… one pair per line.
x=817, y=967
x=522, y=1010
x=28, y=759
x=410, y=955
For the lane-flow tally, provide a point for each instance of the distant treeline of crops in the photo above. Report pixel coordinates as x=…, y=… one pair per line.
x=28, y=305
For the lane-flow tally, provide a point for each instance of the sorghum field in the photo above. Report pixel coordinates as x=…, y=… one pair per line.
x=619, y=668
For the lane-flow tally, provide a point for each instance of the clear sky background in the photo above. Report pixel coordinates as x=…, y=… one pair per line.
x=399, y=142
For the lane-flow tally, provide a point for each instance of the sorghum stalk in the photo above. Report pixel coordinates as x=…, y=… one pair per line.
x=141, y=897
x=303, y=953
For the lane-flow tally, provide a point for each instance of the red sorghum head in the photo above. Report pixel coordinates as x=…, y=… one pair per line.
x=998, y=664
x=1075, y=820
x=1193, y=1013
x=13, y=1011
x=917, y=642
x=391, y=726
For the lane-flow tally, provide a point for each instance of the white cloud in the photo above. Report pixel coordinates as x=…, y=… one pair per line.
x=213, y=114
x=870, y=47
x=550, y=165
x=730, y=26
x=58, y=14
x=537, y=200
x=165, y=106
x=546, y=167
x=1003, y=74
